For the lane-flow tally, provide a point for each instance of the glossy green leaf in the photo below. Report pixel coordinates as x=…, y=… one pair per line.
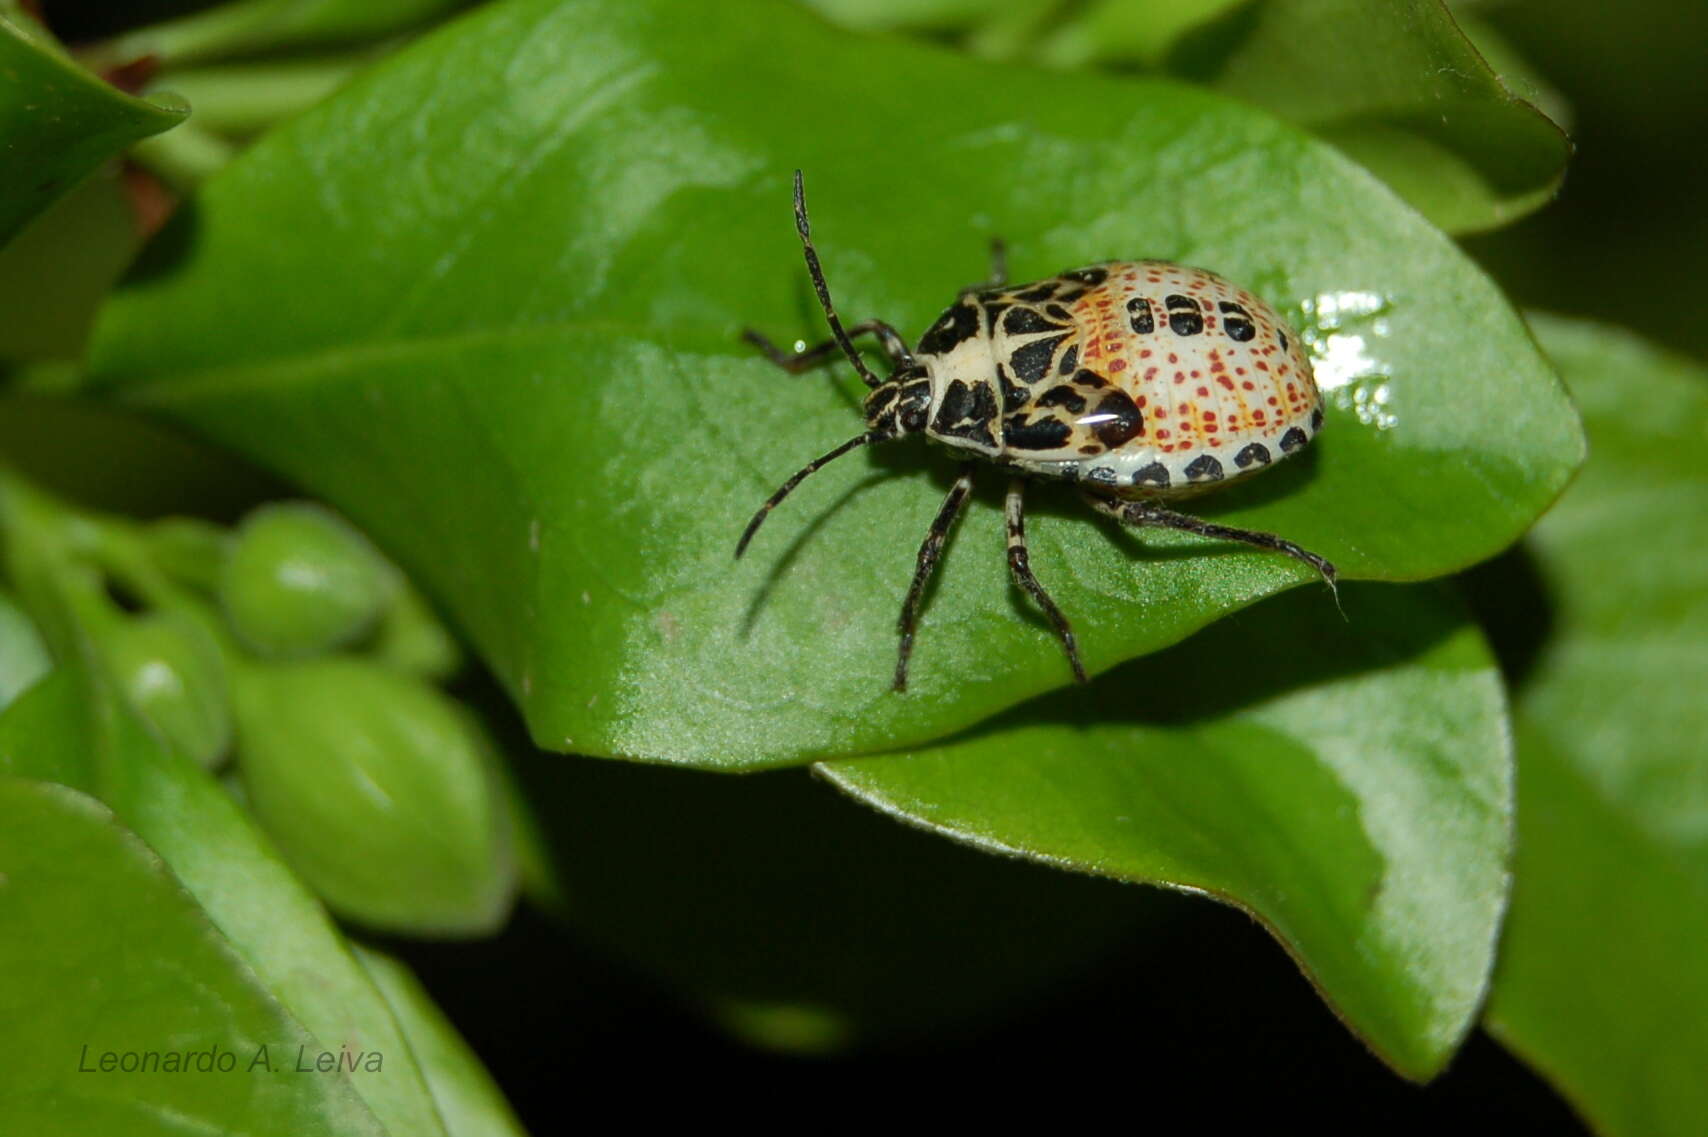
x=61, y=730
x=127, y=1012
x=57, y=123
x=1603, y=981
x=1346, y=783
x=1398, y=86
x=470, y=1103
x=504, y=339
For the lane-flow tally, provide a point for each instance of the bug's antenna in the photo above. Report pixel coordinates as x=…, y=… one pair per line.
x=783, y=490
x=823, y=289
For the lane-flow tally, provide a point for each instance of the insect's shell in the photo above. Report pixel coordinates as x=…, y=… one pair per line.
x=1150, y=378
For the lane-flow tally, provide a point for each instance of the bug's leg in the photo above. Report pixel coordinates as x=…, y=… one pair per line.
x=1142, y=513
x=894, y=347
x=1020, y=565
x=998, y=268
x=929, y=551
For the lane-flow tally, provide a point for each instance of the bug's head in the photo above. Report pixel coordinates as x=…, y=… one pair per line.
x=899, y=405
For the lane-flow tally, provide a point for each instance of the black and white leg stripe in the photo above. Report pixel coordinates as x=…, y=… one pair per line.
x=929, y=551
x=1019, y=563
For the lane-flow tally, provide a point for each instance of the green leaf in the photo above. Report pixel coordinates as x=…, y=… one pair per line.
x=1348, y=784
x=1404, y=93
x=56, y=272
x=141, y=1018
x=1603, y=984
x=470, y=1103
x=62, y=730
x=23, y=656
x=1399, y=87
x=57, y=123
x=504, y=340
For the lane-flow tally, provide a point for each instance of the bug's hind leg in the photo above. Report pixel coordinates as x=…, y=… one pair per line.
x=1143, y=513
x=1020, y=565
x=796, y=362
x=929, y=551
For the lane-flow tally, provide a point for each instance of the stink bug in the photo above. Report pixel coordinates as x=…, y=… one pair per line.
x=1138, y=381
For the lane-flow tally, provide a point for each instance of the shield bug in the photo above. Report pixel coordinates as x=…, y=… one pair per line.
x=1140, y=382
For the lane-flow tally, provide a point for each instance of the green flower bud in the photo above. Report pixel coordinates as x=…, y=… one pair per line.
x=170, y=669
x=411, y=637
x=377, y=789
x=299, y=582
x=189, y=550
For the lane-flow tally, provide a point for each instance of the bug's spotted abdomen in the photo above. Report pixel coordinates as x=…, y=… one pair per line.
x=1144, y=376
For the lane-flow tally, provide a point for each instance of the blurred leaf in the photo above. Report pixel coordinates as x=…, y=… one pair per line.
x=57, y=270
x=1404, y=93
x=57, y=123
x=802, y=922
x=1397, y=86
x=1602, y=983
x=504, y=340
x=62, y=731
x=1348, y=784
x=467, y=1099
x=102, y=952
x=249, y=27
x=23, y=656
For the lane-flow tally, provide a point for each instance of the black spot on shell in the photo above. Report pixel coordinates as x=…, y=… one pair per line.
x=1043, y=290
x=1101, y=475
x=1021, y=321
x=1089, y=378
x=1292, y=440
x=1069, y=360
x=1317, y=419
x=1204, y=469
x=1139, y=316
x=1014, y=396
x=1155, y=474
x=967, y=411
x=1184, y=318
x=952, y=329
x=992, y=313
x=1058, y=313
x=1063, y=396
x=1071, y=295
x=1256, y=453
x=1094, y=275
x=1282, y=336
x=1042, y=434
x=1117, y=419
x=1237, y=323
x=1030, y=362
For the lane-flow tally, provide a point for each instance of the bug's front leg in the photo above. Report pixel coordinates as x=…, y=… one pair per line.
x=1144, y=513
x=1019, y=564
x=929, y=552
